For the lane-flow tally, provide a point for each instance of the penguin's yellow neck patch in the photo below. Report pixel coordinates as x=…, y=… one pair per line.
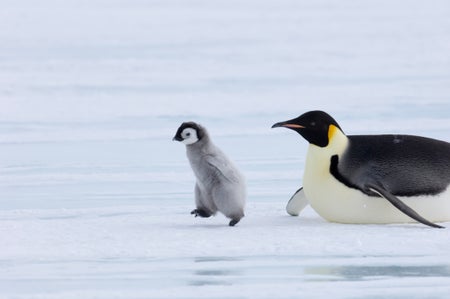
x=332, y=129
x=337, y=141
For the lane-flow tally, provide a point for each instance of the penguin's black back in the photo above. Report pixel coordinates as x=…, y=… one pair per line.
x=405, y=165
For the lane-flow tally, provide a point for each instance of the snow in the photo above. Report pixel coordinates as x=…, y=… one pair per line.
x=95, y=196
x=148, y=252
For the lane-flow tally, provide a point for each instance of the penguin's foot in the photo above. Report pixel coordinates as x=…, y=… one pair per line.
x=201, y=213
x=233, y=222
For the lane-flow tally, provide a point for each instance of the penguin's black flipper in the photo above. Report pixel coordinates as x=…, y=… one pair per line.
x=400, y=205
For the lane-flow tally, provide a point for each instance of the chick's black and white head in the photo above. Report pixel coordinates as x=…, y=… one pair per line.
x=317, y=127
x=189, y=133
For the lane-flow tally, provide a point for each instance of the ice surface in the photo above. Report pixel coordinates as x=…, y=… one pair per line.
x=95, y=197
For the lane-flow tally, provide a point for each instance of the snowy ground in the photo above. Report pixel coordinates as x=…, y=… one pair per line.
x=95, y=197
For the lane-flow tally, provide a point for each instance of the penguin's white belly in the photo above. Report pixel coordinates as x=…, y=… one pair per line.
x=336, y=202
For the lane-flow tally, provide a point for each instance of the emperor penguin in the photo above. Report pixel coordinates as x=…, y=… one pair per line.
x=220, y=186
x=371, y=178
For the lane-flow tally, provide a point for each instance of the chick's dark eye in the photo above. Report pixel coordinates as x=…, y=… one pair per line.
x=188, y=134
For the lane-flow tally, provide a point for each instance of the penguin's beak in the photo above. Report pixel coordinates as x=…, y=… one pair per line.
x=287, y=125
x=177, y=138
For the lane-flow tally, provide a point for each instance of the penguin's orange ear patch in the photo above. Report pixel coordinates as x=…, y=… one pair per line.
x=332, y=129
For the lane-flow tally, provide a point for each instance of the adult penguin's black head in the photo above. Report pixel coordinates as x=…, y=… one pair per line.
x=316, y=127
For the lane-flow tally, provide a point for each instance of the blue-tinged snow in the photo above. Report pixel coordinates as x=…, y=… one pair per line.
x=95, y=197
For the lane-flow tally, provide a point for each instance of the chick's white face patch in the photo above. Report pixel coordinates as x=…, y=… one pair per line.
x=189, y=136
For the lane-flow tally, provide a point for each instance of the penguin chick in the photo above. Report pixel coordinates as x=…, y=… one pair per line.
x=219, y=186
